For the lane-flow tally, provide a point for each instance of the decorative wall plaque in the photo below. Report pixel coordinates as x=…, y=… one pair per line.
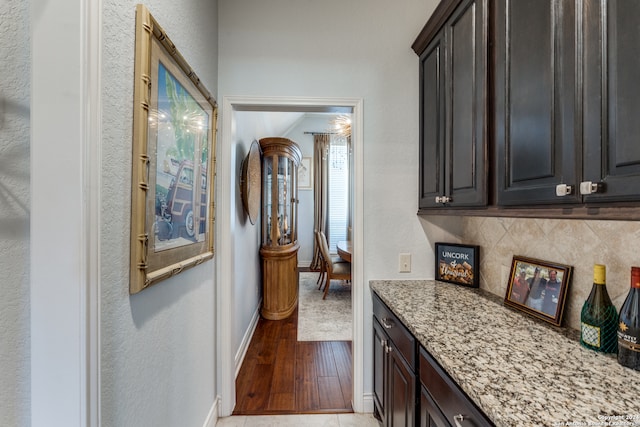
x=251, y=182
x=458, y=264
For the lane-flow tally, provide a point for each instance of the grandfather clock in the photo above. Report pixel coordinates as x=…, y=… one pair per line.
x=279, y=249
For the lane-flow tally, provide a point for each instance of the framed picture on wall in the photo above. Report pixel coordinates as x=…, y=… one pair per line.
x=305, y=174
x=174, y=131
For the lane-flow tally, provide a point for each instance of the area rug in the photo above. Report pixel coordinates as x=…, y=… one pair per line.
x=324, y=320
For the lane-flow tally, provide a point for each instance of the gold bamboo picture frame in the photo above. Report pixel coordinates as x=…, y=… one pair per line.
x=173, y=170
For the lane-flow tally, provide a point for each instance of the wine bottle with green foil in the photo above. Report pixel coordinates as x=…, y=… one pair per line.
x=629, y=325
x=599, y=318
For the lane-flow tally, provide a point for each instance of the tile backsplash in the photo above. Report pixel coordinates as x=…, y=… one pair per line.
x=579, y=243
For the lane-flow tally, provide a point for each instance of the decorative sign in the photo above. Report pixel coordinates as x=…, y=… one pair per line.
x=458, y=264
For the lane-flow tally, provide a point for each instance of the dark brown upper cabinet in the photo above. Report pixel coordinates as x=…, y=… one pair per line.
x=453, y=105
x=567, y=97
x=536, y=115
x=611, y=100
x=550, y=89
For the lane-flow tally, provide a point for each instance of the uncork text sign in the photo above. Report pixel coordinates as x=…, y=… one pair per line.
x=457, y=263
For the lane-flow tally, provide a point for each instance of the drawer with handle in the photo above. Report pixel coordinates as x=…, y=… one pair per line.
x=397, y=332
x=455, y=405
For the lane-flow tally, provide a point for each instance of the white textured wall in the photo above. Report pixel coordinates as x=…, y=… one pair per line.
x=158, y=351
x=15, y=70
x=245, y=236
x=355, y=49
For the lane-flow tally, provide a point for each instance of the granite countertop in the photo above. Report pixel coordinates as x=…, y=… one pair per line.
x=518, y=370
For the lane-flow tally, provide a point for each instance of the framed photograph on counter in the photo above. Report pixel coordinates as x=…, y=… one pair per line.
x=538, y=288
x=458, y=264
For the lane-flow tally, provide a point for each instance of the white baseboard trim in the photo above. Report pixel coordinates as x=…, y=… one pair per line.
x=212, y=416
x=304, y=263
x=246, y=340
x=367, y=401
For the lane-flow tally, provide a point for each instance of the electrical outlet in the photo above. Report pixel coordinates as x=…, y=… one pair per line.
x=404, y=263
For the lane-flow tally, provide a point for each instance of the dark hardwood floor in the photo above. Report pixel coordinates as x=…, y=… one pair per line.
x=281, y=375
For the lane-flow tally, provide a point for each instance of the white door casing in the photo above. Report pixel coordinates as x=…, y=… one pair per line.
x=225, y=265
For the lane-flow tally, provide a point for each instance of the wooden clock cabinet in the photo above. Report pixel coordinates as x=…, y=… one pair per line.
x=279, y=246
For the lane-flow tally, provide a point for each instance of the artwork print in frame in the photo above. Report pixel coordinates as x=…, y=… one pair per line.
x=305, y=174
x=174, y=132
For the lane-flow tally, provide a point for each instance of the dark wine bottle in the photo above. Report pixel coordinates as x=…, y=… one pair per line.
x=599, y=318
x=629, y=325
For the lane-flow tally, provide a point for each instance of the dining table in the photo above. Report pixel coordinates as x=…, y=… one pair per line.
x=345, y=248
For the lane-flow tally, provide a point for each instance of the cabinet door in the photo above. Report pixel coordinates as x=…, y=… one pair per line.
x=432, y=131
x=466, y=34
x=445, y=395
x=453, y=127
x=402, y=391
x=379, y=370
x=537, y=142
x=612, y=98
x=430, y=415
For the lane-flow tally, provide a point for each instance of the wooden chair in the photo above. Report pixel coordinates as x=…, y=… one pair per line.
x=323, y=269
x=334, y=270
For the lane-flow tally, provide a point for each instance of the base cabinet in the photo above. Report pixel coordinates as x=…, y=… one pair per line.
x=410, y=388
x=394, y=381
x=401, y=390
x=430, y=415
x=446, y=404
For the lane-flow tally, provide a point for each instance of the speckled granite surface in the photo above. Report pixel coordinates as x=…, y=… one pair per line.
x=519, y=371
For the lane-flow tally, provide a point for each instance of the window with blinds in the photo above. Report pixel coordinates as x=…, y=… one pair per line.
x=338, y=191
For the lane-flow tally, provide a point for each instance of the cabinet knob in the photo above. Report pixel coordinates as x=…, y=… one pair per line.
x=457, y=419
x=588, y=187
x=388, y=324
x=443, y=199
x=563, y=190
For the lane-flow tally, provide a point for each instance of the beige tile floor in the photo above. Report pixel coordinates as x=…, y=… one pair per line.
x=324, y=420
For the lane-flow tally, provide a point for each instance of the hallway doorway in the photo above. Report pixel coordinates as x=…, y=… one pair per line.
x=228, y=366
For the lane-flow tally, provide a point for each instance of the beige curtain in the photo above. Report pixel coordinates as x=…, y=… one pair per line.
x=351, y=190
x=320, y=183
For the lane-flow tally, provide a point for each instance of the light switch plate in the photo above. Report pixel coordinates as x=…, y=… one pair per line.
x=404, y=263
